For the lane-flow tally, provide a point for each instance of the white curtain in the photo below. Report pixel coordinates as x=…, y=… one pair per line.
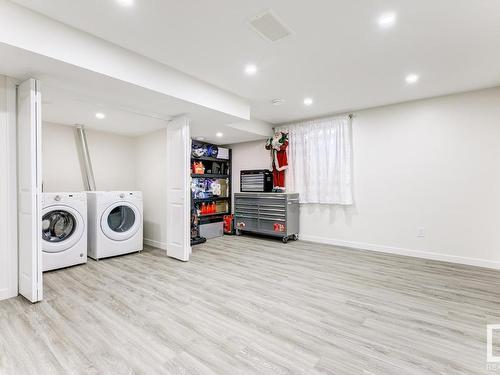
x=320, y=160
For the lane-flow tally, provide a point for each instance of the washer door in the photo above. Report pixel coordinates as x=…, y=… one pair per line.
x=62, y=228
x=120, y=221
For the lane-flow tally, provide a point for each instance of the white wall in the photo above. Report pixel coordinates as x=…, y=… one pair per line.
x=60, y=165
x=8, y=189
x=113, y=160
x=248, y=155
x=112, y=156
x=431, y=164
x=119, y=163
x=151, y=179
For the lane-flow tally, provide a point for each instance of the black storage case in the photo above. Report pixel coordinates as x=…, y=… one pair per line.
x=256, y=181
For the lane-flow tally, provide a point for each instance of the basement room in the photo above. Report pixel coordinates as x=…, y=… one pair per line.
x=268, y=187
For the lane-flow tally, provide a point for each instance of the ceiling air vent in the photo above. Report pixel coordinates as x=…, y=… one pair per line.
x=269, y=26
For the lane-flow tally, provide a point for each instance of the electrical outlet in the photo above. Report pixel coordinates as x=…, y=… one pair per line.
x=421, y=232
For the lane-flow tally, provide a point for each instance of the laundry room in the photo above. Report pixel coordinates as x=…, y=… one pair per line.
x=92, y=156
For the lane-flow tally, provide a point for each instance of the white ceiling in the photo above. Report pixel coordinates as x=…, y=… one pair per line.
x=69, y=108
x=337, y=55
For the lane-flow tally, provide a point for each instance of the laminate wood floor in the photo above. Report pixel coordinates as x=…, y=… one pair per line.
x=247, y=305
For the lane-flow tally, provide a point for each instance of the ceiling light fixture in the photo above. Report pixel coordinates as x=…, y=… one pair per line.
x=387, y=20
x=250, y=69
x=308, y=101
x=125, y=3
x=100, y=115
x=412, y=78
x=219, y=134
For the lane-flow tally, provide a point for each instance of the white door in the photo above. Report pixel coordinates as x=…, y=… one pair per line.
x=178, y=189
x=29, y=190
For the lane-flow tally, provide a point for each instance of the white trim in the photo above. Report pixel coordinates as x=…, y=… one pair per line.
x=406, y=252
x=156, y=244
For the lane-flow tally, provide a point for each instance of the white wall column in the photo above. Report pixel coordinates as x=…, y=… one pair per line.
x=8, y=189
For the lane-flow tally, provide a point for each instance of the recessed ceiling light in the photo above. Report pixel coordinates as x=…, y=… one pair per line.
x=412, y=78
x=308, y=101
x=277, y=101
x=100, y=115
x=250, y=69
x=387, y=20
x=219, y=134
x=126, y=3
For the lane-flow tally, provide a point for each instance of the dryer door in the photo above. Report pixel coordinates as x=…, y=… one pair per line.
x=62, y=228
x=121, y=221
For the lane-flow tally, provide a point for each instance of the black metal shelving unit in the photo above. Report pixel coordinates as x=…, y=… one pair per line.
x=214, y=217
x=208, y=175
x=207, y=158
x=215, y=199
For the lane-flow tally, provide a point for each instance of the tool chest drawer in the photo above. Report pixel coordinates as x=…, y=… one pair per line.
x=275, y=214
x=248, y=223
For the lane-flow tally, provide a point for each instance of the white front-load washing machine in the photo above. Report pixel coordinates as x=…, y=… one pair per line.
x=64, y=230
x=115, y=223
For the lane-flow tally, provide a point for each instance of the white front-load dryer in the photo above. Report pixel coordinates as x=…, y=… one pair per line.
x=64, y=230
x=115, y=221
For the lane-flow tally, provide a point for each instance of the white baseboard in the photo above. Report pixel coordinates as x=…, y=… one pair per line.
x=153, y=243
x=407, y=252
